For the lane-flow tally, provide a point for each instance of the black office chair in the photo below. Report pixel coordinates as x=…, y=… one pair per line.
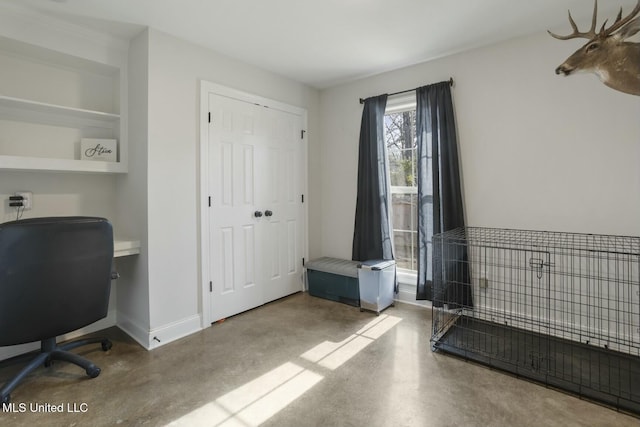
x=55, y=277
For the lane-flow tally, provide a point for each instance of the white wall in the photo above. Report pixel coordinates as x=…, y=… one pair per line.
x=175, y=70
x=133, y=301
x=59, y=194
x=538, y=151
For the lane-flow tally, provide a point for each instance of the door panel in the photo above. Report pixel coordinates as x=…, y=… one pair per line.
x=226, y=258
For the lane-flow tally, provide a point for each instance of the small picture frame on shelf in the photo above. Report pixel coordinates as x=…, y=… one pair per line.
x=105, y=150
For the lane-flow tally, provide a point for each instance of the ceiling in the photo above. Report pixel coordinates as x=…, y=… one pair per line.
x=323, y=43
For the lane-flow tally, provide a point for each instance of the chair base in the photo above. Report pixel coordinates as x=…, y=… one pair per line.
x=50, y=351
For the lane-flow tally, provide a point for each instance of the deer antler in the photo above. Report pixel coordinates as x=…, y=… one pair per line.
x=604, y=32
x=576, y=33
x=620, y=22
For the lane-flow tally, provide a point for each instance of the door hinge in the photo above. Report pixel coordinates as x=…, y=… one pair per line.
x=209, y=201
x=210, y=286
x=302, y=134
x=302, y=198
x=209, y=116
x=303, y=262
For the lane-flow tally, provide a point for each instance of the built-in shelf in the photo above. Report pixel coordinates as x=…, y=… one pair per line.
x=61, y=165
x=43, y=107
x=50, y=101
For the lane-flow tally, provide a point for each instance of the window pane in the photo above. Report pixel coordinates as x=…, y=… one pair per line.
x=400, y=137
x=404, y=232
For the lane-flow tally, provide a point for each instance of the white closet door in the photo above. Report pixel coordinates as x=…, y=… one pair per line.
x=283, y=241
x=256, y=216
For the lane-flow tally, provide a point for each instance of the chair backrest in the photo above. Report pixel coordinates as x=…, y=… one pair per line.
x=55, y=276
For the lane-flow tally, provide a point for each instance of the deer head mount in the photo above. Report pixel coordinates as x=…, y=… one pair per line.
x=607, y=53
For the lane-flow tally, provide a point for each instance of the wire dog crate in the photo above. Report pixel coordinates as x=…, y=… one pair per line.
x=559, y=308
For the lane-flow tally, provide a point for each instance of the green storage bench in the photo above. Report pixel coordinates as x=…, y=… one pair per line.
x=334, y=279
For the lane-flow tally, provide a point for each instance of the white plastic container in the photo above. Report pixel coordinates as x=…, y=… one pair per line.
x=376, y=282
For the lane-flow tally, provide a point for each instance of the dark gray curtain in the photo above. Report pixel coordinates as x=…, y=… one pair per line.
x=371, y=234
x=439, y=197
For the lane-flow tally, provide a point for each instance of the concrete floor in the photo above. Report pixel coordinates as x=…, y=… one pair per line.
x=300, y=361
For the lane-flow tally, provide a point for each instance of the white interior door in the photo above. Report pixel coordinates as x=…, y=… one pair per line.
x=234, y=144
x=281, y=199
x=256, y=218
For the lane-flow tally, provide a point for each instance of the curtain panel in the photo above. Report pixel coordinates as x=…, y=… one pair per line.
x=440, y=206
x=372, y=237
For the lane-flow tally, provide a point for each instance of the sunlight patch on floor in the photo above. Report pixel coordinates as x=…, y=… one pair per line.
x=258, y=400
x=344, y=353
x=377, y=330
x=332, y=355
x=246, y=394
x=324, y=349
x=269, y=405
x=255, y=402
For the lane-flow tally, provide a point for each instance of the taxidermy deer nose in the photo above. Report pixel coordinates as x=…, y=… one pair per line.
x=563, y=69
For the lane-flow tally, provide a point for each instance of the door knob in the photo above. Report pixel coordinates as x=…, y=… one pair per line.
x=268, y=213
x=257, y=214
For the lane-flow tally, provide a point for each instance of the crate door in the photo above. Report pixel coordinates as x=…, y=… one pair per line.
x=512, y=289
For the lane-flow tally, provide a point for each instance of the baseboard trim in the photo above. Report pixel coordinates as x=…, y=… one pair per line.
x=134, y=330
x=409, y=297
x=157, y=337
x=174, y=331
x=15, y=350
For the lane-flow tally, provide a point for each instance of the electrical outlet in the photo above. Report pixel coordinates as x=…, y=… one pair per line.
x=27, y=199
x=484, y=283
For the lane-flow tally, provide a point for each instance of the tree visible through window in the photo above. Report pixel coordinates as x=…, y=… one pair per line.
x=400, y=137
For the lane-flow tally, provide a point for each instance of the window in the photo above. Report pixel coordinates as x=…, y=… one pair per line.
x=400, y=137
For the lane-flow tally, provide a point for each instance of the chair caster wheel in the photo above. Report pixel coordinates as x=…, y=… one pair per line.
x=48, y=362
x=106, y=345
x=93, y=371
x=6, y=398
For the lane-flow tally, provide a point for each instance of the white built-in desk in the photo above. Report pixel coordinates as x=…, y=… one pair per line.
x=124, y=247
